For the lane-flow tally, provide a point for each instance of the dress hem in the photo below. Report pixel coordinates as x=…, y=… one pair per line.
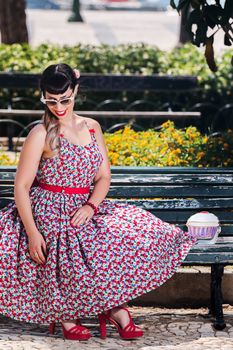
x=110, y=305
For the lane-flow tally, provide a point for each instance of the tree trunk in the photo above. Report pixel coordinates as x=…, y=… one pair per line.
x=13, y=25
x=184, y=36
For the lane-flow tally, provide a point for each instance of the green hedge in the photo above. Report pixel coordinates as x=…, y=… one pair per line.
x=125, y=59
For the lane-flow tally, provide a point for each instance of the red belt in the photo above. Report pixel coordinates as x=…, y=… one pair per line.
x=69, y=190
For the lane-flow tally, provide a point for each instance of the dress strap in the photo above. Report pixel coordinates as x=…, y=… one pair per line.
x=92, y=131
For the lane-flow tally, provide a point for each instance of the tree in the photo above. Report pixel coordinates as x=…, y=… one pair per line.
x=205, y=20
x=184, y=35
x=13, y=21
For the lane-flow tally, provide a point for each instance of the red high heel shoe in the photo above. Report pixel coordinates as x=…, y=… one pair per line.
x=75, y=333
x=130, y=331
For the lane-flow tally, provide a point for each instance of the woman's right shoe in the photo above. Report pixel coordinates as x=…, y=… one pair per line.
x=77, y=332
x=130, y=331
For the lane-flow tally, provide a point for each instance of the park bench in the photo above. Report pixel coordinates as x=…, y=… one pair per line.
x=112, y=111
x=173, y=194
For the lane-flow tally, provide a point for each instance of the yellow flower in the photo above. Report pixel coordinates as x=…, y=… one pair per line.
x=167, y=147
x=200, y=155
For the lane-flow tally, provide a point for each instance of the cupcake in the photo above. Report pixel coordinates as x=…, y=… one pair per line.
x=204, y=226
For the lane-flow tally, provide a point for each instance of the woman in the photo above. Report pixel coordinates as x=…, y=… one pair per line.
x=66, y=252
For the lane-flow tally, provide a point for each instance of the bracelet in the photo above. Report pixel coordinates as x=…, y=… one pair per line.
x=92, y=206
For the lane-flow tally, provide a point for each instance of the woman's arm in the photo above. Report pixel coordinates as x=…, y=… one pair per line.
x=101, y=181
x=26, y=171
x=103, y=177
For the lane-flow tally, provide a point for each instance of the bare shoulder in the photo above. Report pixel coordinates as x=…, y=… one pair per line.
x=30, y=155
x=38, y=132
x=93, y=124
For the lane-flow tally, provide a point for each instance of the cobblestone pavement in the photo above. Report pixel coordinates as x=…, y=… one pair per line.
x=165, y=329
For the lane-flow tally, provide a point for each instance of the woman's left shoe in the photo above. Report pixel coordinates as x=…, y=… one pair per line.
x=77, y=332
x=130, y=331
x=52, y=325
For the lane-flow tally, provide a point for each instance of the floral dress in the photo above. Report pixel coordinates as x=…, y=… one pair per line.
x=120, y=254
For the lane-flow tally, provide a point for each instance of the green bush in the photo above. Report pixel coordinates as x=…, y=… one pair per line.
x=125, y=59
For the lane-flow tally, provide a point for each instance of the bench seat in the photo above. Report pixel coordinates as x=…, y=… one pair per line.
x=174, y=194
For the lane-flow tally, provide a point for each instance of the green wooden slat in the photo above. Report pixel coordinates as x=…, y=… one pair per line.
x=169, y=170
x=4, y=202
x=165, y=191
x=181, y=217
x=163, y=204
x=150, y=179
x=7, y=176
x=209, y=258
x=212, y=248
x=207, y=254
x=183, y=203
x=173, y=191
x=171, y=179
x=226, y=231
x=11, y=168
x=154, y=170
x=7, y=193
x=7, y=182
x=182, y=209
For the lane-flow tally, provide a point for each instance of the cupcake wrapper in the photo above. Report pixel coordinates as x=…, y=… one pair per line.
x=203, y=232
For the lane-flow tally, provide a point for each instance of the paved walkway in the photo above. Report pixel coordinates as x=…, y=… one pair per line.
x=103, y=27
x=108, y=27
x=165, y=329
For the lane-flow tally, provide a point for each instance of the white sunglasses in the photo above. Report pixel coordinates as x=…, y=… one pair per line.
x=52, y=102
x=63, y=101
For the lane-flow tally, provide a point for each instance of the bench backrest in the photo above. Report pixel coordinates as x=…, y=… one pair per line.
x=108, y=82
x=172, y=194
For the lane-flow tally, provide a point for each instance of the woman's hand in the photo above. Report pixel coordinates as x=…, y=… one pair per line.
x=37, y=247
x=81, y=215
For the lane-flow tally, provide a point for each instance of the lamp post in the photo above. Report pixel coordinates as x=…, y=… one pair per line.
x=75, y=16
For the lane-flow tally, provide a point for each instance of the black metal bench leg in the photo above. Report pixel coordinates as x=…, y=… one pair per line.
x=10, y=133
x=217, y=271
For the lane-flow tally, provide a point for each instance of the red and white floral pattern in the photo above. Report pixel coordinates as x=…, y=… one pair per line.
x=120, y=254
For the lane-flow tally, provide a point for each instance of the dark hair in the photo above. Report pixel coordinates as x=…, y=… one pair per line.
x=55, y=79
